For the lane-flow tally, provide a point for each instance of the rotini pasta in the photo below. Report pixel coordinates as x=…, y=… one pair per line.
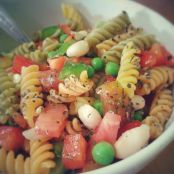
x=41, y=157
x=73, y=127
x=23, y=49
x=75, y=87
x=37, y=56
x=8, y=98
x=31, y=96
x=74, y=18
x=101, y=48
x=154, y=78
x=108, y=30
x=142, y=42
x=9, y=164
x=129, y=69
x=49, y=44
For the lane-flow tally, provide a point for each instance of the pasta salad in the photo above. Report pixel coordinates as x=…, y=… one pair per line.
x=77, y=99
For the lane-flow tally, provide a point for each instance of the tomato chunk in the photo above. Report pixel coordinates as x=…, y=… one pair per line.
x=19, y=62
x=49, y=80
x=19, y=120
x=108, y=128
x=57, y=63
x=11, y=138
x=51, y=121
x=74, y=151
x=128, y=126
x=84, y=60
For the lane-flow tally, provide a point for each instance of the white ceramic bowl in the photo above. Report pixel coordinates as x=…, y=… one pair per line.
x=32, y=15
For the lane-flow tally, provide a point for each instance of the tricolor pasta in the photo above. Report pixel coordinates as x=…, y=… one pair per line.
x=75, y=93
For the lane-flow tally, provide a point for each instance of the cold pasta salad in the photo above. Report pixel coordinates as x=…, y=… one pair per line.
x=77, y=99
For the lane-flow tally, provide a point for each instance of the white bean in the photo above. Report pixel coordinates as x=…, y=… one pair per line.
x=138, y=102
x=132, y=141
x=89, y=116
x=78, y=49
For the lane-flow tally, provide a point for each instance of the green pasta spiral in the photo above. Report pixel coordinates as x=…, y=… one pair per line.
x=143, y=42
x=108, y=30
x=8, y=96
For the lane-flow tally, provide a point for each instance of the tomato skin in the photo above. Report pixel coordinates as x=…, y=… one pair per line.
x=74, y=151
x=19, y=120
x=51, y=122
x=66, y=29
x=108, y=128
x=49, y=80
x=84, y=60
x=11, y=138
x=128, y=126
x=57, y=63
x=19, y=62
x=44, y=67
x=110, y=78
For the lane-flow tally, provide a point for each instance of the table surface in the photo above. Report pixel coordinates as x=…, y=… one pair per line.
x=163, y=164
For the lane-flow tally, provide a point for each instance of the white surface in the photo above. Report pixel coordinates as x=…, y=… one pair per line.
x=32, y=15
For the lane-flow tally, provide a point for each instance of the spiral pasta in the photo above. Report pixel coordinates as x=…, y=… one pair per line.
x=108, y=30
x=72, y=15
x=49, y=44
x=37, y=56
x=109, y=43
x=154, y=78
x=143, y=42
x=9, y=164
x=31, y=96
x=129, y=66
x=73, y=127
x=8, y=98
x=75, y=87
x=23, y=49
x=41, y=157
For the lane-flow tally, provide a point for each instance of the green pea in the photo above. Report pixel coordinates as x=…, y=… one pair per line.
x=98, y=106
x=63, y=37
x=103, y=153
x=90, y=71
x=138, y=115
x=111, y=68
x=97, y=63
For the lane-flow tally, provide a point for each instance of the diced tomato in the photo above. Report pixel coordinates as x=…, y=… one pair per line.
x=84, y=60
x=19, y=120
x=108, y=128
x=156, y=56
x=57, y=63
x=110, y=78
x=11, y=138
x=66, y=29
x=49, y=80
x=128, y=126
x=51, y=121
x=44, y=67
x=19, y=62
x=74, y=151
x=148, y=59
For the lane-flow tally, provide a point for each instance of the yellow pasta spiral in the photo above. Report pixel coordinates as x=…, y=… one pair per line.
x=153, y=78
x=74, y=86
x=9, y=164
x=42, y=158
x=108, y=30
x=73, y=127
x=160, y=112
x=23, y=49
x=49, y=44
x=143, y=42
x=31, y=96
x=129, y=69
x=73, y=16
x=101, y=48
x=37, y=56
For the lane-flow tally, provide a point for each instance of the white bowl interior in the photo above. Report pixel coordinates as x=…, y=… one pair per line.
x=33, y=15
